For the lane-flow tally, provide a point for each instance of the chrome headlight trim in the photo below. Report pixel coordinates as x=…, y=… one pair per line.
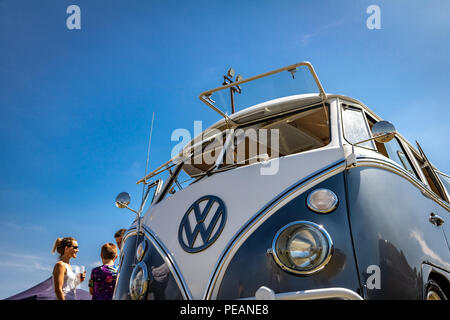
x=144, y=285
x=141, y=250
x=316, y=268
x=313, y=207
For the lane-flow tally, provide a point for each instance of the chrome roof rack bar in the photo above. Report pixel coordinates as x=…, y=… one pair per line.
x=205, y=97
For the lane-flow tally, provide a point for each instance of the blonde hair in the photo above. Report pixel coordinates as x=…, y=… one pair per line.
x=61, y=244
x=109, y=251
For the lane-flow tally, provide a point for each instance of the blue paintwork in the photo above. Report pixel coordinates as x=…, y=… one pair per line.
x=382, y=220
x=252, y=267
x=125, y=269
x=390, y=226
x=162, y=284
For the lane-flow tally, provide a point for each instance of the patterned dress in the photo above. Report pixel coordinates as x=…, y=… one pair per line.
x=103, y=281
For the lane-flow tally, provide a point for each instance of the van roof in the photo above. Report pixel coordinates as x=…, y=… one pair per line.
x=268, y=109
x=282, y=105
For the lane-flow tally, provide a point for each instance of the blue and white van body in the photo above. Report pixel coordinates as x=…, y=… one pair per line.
x=252, y=230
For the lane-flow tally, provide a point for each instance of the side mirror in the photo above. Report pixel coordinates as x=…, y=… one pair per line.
x=383, y=131
x=123, y=200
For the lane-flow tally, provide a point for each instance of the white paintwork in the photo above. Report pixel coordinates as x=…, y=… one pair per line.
x=245, y=192
x=276, y=105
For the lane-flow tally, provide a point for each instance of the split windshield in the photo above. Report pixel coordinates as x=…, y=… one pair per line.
x=259, y=135
x=261, y=141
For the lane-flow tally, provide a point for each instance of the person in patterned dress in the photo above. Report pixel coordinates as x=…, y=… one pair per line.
x=103, y=278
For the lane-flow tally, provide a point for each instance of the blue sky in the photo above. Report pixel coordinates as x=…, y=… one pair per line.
x=77, y=104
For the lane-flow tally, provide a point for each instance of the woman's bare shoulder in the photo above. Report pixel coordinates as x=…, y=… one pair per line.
x=59, y=266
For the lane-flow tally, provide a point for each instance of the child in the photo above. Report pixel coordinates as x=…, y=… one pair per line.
x=103, y=278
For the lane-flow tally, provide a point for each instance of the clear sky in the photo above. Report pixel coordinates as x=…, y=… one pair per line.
x=76, y=105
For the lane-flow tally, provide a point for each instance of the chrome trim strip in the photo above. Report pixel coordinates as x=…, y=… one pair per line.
x=413, y=160
x=264, y=293
x=130, y=232
x=322, y=264
x=380, y=163
x=175, y=270
x=443, y=186
x=444, y=174
x=162, y=250
x=261, y=216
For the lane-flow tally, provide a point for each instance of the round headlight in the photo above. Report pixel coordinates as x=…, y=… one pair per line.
x=322, y=201
x=140, y=251
x=139, y=281
x=302, y=247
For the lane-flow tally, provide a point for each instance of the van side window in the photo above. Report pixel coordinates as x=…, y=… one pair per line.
x=429, y=178
x=379, y=146
x=396, y=153
x=445, y=181
x=356, y=128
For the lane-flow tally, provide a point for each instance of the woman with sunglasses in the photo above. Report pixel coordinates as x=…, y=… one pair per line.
x=64, y=279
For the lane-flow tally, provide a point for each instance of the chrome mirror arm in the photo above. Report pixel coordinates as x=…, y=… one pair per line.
x=350, y=159
x=136, y=212
x=123, y=200
x=382, y=132
x=360, y=142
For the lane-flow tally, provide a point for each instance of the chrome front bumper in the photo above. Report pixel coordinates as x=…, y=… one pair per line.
x=264, y=293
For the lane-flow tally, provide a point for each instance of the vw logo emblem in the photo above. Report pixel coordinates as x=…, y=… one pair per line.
x=207, y=217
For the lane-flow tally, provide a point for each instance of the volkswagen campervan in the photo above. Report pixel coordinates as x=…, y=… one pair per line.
x=291, y=195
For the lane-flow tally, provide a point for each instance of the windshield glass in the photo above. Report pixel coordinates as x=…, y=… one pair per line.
x=299, y=131
x=305, y=129
x=289, y=81
x=445, y=181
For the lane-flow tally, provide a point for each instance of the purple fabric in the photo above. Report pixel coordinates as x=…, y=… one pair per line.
x=102, y=282
x=45, y=291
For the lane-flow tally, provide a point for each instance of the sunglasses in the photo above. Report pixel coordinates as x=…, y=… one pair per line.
x=75, y=247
